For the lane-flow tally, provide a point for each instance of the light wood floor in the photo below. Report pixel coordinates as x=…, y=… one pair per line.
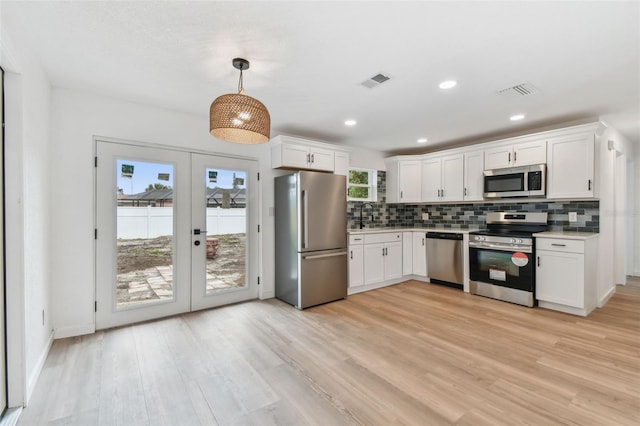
x=412, y=353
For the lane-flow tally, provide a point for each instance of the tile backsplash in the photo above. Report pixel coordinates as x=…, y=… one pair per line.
x=379, y=214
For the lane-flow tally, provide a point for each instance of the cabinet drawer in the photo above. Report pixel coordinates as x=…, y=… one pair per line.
x=555, y=244
x=386, y=237
x=356, y=239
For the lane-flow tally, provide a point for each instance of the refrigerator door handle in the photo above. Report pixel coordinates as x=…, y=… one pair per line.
x=320, y=256
x=305, y=219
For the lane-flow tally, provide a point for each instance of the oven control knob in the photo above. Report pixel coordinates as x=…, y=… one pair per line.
x=479, y=238
x=513, y=240
x=519, y=241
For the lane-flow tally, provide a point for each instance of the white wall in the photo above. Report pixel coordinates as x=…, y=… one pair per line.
x=636, y=211
x=609, y=247
x=29, y=313
x=77, y=117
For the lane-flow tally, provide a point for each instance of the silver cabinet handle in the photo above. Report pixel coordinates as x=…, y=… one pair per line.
x=320, y=256
x=357, y=239
x=465, y=192
x=509, y=157
x=401, y=195
x=442, y=192
x=313, y=158
x=559, y=245
x=351, y=255
x=589, y=188
x=515, y=155
x=538, y=260
x=423, y=241
x=308, y=158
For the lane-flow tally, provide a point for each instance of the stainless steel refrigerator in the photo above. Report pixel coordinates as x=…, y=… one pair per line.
x=311, y=238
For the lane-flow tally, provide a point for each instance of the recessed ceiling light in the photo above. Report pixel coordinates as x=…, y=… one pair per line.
x=422, y=140
x=448, y=84
x=516, y=117
x=350, y=122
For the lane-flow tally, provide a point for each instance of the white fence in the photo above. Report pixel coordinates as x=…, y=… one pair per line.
x=151, y=222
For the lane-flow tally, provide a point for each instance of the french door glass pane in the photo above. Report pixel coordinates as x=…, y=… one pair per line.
x=145, y=228
x=226, y=213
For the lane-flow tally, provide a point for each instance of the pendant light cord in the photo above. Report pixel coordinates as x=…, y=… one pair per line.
x=240, y=85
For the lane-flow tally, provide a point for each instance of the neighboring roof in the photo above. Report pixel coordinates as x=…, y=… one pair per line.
x=214, y=195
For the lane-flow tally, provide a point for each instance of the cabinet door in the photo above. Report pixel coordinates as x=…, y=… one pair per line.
x=419, y=254
x=295, y=156
x=373, y=263
x=356, y=266
x=431, y=179
x=473, y=176
x=526, y=154
x=407, y=250
x=560, y=278
x=393, y=260
x=570, y=167
x=322, y=159
x=452, y=178
x=410, y=181
x=497, y=158
x=341, y=164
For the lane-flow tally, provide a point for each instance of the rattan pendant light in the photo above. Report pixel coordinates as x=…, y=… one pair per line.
x=239, y=118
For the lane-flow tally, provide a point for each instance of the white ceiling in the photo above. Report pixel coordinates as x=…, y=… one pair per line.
x=309, y=58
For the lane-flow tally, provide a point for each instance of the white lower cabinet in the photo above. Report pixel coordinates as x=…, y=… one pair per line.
x=407, y=253
x=356, y=262
x=566, y=274
x=382, y=257
x=419, y=254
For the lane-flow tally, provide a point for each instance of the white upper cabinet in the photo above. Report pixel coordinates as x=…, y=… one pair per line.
x=521, y=154
x=431, y=179
x=473, y=176
x=341, y=166
x=442, y=178
x=301, y=154
x=570, y=166
x=403, y=181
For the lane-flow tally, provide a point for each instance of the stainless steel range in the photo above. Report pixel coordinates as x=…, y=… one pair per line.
x=501, y=258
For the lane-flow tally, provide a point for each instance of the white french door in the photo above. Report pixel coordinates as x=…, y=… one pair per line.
x=224, y=234
x=175, y=232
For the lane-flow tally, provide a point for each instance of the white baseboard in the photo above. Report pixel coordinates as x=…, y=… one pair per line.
x=33, y=377
x=267, y=295
x=604, y=299
x=78, y=330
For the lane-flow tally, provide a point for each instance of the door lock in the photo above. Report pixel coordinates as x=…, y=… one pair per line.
x=196, y=243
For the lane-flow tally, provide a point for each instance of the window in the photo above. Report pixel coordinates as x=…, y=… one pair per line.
x=362, y=185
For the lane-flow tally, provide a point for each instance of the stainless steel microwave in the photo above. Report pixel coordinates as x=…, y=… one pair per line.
x=527, y=181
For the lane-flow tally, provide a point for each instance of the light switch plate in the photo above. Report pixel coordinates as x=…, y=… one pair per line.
x=425, y=216
x=573, y=216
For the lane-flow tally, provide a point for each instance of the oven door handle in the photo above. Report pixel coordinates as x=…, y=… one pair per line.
x=505, y=247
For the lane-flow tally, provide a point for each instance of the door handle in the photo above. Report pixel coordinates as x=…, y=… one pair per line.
x=589, y=188
x=321, y=256
x=198, y=232
x=305, y=222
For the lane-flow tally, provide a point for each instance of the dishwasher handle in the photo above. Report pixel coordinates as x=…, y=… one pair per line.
x=444, y=235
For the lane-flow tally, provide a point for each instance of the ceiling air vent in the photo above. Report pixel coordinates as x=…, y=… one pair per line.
x=524, y=89
x=375, y=81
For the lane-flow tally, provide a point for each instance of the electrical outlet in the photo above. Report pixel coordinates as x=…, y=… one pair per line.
x=425, y=216
x=573, y=216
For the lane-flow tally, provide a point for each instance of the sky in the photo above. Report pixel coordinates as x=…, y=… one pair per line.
x=145, y=173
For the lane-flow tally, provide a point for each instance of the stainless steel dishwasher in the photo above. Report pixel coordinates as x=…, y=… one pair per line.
x=445, y=258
